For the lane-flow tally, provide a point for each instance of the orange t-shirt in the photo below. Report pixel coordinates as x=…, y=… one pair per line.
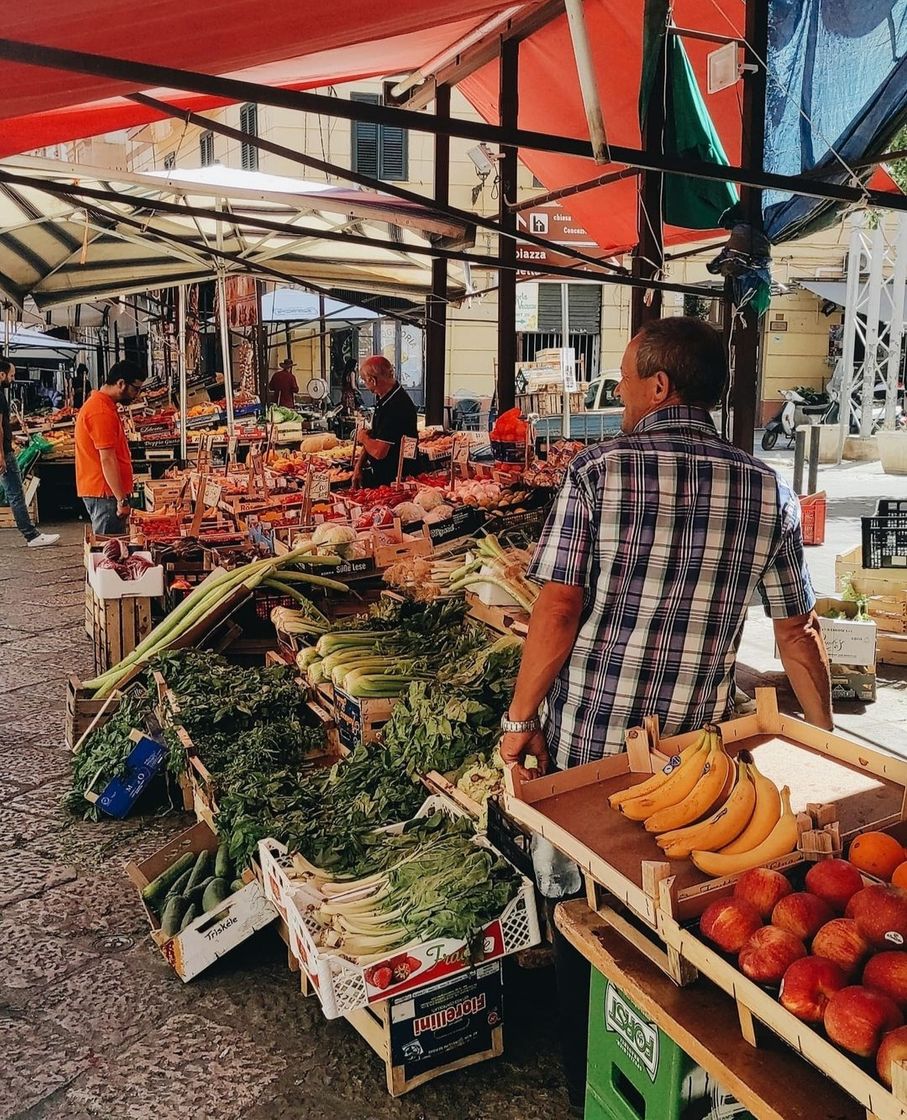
x=98, y=427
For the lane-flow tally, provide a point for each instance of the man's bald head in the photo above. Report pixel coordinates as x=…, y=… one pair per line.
x=377, y=373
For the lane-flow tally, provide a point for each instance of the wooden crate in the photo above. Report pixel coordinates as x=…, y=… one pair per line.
x=869, y=581
x=7, y=521
x=503, y=620
x=889, y=612
x=83, y=712
x=118, y=626
x=891, y=649
x=569, y=808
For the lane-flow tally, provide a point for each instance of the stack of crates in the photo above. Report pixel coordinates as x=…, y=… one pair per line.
x=636, y=1072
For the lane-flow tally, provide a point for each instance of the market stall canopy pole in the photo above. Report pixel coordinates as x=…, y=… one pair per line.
x=435, y=304
x=507, y=187
x=181, y=345
x=146, y=74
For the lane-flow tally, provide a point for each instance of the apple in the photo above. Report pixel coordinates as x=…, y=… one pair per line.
x=769, y=953
x=881, y=916
x=802, y=914
x=887, y=973
x=893, y=1049
x=835, y=881
x=729, y=923
x=808, y=985
x=857, y=1018
x=861, y=898
x=841, y=941
x=762, y=887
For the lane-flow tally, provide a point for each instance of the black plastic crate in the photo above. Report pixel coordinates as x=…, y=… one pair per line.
x=885, y=535
x=509, y=839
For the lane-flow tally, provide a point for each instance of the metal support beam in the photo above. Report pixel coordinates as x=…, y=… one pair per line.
x=226, y=356
x=181, y=361
x=509, y=108
x=577, y=188
x=588, y=80
x=748, y=327
x=648, y=260
x=436, y=303
x=896, y=325
x=146, y=75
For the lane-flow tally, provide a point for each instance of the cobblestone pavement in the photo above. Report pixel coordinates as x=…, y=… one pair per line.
x=93, y=1024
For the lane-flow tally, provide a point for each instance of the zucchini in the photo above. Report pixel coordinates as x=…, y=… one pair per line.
x=199, y=871
x=222, y=862
x=189, y=917
x=236, y=885
x=154, y=892
x=172, y=915
x=194, y=895
x=180, y=885
x=215, y=893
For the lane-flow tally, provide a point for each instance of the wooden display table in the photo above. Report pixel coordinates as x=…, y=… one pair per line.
x=772, y=1082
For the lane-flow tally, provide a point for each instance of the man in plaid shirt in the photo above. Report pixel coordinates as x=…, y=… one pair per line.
x=655, y=547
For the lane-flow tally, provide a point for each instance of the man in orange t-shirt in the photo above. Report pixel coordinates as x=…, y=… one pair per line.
x=103, y=462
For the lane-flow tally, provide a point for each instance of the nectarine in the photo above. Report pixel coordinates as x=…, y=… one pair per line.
x=887, y=973
x=802, y=914
x=857, y=1018
x=841, y=941
x=881, y=916
x=835, y=881
x=893, y=1049
x=808, y=985
x=729, y=923
x=763, y=887
x=769, y=953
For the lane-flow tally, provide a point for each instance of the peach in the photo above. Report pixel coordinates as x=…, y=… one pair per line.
x=841, y=941
x=769, y=953
x=808, y=985
x=887, y=973
x=729, y=923
x=881, y=916
x=857, y=1019
x=762, y=887
x=802, y=914
x=893, y=1049
x=835, y=881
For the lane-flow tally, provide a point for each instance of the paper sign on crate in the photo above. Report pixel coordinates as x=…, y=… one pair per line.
x=848, y=641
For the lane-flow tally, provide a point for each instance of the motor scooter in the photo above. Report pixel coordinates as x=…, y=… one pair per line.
x=795, y=411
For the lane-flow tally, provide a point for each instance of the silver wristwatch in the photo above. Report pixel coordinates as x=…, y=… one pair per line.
x=519, y=725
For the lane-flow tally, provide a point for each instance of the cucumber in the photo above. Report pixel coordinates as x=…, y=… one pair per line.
x=189, y=917
x=236, y=885
x=215, y=893
x=172, y=915
x=194, y=895
x=180, y=885
x=199, y=871
x=154, y=892
x=222, y=862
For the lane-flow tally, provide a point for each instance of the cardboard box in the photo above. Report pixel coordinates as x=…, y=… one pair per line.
x=107, y=584
x=853, y=683
x=848, y=642
x=218, y=931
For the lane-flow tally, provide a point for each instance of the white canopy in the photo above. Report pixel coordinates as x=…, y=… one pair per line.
x=25, y=338
x=70, y=233
x=295, y=305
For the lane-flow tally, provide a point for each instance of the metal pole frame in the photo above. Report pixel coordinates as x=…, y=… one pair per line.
x=435, y=305
x=226, y=356
x=509, y=108
x=871, y=351
x=851, y=302
x=896, y=325
x=181, y=358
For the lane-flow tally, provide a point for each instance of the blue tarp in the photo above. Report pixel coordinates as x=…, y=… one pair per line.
x=844, y=64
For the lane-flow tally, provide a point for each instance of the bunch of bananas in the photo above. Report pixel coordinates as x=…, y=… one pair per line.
x=717, y=811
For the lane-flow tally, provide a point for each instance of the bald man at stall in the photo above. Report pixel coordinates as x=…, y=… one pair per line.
x=394, y=418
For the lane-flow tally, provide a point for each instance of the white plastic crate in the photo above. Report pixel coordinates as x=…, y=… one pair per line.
x=106, y=584
x=343, y=986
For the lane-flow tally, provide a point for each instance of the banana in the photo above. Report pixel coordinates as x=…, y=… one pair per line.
x=781, y=840
x=728, y=821
x=766, y=815
x=700, y=799
x=659, y=778
x=675, y=789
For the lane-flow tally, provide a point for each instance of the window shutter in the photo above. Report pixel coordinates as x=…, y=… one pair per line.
x=585, y=306
x=248, y=122
x=393, y=153
x=366, y=141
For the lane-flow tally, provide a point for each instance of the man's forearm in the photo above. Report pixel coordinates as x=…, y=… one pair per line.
x=111, y=470
x=377, y=448
x=805, y=661
x=552, y=633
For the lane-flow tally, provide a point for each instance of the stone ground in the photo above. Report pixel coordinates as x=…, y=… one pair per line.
x=95, y=1026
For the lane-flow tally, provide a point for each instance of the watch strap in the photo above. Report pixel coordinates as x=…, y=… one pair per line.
x=518, y=726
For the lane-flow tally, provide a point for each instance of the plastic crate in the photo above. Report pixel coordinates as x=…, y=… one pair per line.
x=510, y=839
x=885, y=535
x=509, y=452
x=813, y=508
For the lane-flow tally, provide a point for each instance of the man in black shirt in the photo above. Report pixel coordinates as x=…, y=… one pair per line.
x=395, y=417
x=9, y=468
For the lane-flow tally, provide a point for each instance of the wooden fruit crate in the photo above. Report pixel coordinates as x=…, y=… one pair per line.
x=503, y=620
x=889, y=612
x=30, y=488
x=83, y=712
x=891, y=649
x=570, y=808
x=117, y=627
x=869, y=581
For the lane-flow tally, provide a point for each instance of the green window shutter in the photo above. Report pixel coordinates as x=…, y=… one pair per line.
x=377, y=150
x=394, y=150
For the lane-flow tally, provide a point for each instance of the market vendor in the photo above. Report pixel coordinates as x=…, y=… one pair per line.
x=284, y=385
x=380, y=448
x=655, y=547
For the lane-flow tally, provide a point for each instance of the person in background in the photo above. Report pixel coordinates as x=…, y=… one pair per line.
x=380, y=447
x=350, y=400
x=9, y=468
x=283, y=385
x=81, y=385
x=103, y=462
x=656, y=545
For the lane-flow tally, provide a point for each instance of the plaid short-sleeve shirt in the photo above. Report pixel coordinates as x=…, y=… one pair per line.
x=670, y=530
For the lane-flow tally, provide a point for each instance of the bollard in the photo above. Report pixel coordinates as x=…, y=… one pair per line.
x=799, y=455
x=815, y=435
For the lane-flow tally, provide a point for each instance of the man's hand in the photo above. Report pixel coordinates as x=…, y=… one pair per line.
x=516, y=746
x=124, y=509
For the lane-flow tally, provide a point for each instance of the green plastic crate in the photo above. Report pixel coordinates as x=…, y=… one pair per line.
x=636, y=1072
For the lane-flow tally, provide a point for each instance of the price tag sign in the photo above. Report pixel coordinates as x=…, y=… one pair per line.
x=461, y=450
x=409, y=447
x=213, y=492
x=320, y=486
